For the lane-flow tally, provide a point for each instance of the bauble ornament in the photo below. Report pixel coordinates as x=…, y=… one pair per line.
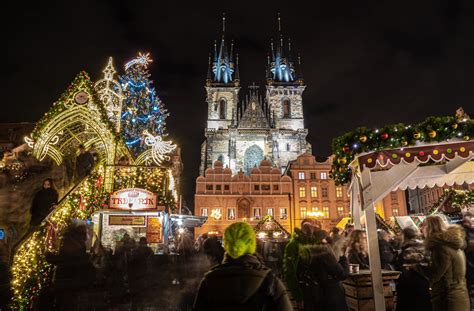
x=404, y=143
x=416, y=135
x=384, y=136
x=454, y=126
x=432, y=134
x=346, y=148
x=363, y=138
x=342, y=160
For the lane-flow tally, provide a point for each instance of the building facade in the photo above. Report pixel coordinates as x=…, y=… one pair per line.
x=314, y=194
x=225, y=197
x=242, y=131
x=422, y=200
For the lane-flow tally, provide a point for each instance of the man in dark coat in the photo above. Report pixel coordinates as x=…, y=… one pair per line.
x=241, y=282
x=387, y=254
x=468, y=225
x=213, y=250
x=43, y=202
x=84, y=163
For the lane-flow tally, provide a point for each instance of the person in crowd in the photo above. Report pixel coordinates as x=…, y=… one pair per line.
x=327, y=271
x=339, y=244
x=213, y=249
x=75, y=275
x=43, y=202
x=448, y=265
x=413, y=288
x=387, y=254
x=139, y=271
x=468, y=225
x=357, y=252
x=199, y=241
x=241, y=282
x=84, y=163
x=296, y=261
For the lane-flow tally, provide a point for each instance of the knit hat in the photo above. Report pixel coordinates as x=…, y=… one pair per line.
x=239, y=239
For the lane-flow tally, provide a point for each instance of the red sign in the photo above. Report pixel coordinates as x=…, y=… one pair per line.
x=153, y=230
x=134, y=199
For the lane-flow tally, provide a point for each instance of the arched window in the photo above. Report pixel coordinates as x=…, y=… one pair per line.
x=222, y=109
x=286, y=108
x=253, y=156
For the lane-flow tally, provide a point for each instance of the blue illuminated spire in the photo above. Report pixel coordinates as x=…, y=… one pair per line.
x=280, y=65
x=223, y=68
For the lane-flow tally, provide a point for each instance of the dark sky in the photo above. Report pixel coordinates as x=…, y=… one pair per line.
x=365, y=62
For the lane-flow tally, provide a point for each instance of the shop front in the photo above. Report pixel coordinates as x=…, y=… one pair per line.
x=135, y=212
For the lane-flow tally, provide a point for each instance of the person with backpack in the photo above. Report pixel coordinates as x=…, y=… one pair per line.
x=241, y=282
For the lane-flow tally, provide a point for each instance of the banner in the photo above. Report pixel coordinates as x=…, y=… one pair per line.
x=133, y=199
x=154, y=230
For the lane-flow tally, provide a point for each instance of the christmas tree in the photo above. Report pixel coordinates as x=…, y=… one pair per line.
x=142, y=109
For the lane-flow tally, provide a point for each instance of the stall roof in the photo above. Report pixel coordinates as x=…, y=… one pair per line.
x=189, y=221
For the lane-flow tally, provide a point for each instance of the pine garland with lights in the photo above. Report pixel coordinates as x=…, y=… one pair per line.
x=454, y=197
x=362, y=139
x=142, y=109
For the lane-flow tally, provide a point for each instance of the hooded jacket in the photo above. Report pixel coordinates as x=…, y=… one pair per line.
x=448, y=270
x=241, y=284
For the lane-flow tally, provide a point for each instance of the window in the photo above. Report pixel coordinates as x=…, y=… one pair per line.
x=395, y=212
x=326, y=212
x=230, y=213
x=302, y=192
x=266, y=187
x=312, y=175
x=314, y=209
x=226, y=187
x=283, y=214
x=204, y=212
x=256, y=213
x=394, y=196
x=218, y=187
x=270, y=212
x=300, y=175
x=324, y=175
x=338, y=192
x=288, y=147
x=222, y=109
x=209, y=187
x=286, y=108
x=324, y=192
x=314, y=191
x=302, y=212
x=256, y=187
x=340, y=210
x=275, y=187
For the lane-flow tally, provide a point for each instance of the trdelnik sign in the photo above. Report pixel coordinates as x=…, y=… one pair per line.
x=134, y=199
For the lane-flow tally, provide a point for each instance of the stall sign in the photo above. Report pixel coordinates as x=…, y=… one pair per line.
x=153, y=230
x=134, y=199
x=124, y=220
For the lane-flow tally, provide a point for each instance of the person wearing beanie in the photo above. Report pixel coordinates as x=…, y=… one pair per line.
x=241, y=281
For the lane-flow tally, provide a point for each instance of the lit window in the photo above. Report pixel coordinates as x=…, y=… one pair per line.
x=256, y=213
x=300, y=175
x=324, y=192
x=314, y=209
x=231, y=214
x=338, y=192
x=340, y=210
x=314, y=191
x=302, y=192
x=326, y=212
x=395, y=212
x=302, y=212
x=270, y=212
x=324, y=175
x=283, y=214
x=204, y=212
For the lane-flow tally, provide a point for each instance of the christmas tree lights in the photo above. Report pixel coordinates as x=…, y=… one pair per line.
x=142, y=109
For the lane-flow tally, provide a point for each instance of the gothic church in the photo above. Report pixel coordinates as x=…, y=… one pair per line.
x=243, y=130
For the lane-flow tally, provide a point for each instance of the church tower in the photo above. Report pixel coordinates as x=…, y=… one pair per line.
x=285, y=85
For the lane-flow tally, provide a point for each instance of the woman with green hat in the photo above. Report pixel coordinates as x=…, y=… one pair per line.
x=241, y=282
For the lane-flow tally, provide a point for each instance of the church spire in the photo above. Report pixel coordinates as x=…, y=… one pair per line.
x=281, y=68
x=224, y=69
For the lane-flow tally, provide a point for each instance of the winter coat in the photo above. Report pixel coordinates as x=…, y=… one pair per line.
x=213, y=250
x=328, y=273
x=448, y=270
x=387, y=255
x=295, y=262
x=469, y=251
x=413, y=288
x=42, y=204
x=359, y=258
x=241, y=284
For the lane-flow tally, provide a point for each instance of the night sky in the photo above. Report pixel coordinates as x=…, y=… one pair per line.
x=364, y=62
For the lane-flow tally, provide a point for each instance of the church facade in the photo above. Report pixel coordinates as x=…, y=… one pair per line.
x=243, y=130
